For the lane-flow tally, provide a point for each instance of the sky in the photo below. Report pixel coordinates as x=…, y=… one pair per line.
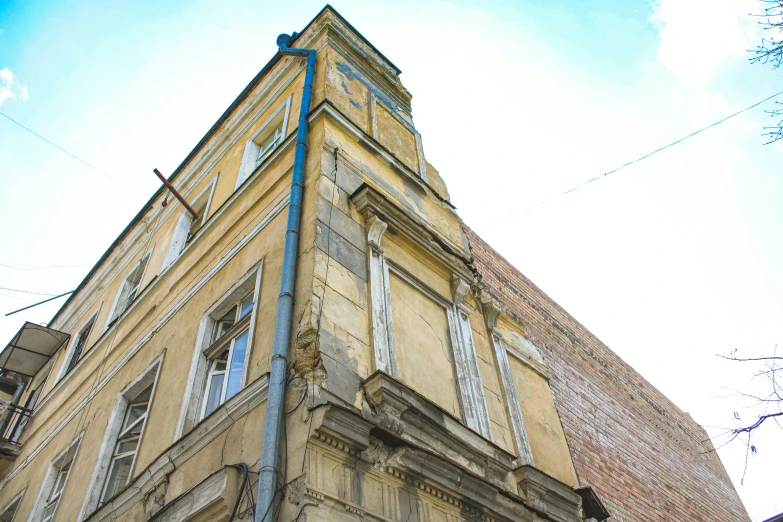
x=669, y=261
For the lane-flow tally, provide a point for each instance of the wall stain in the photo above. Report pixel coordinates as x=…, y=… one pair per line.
x=346, y=70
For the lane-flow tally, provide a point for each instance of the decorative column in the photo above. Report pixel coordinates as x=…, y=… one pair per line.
x=471, y=390
x=492, y=311
x=380, y=298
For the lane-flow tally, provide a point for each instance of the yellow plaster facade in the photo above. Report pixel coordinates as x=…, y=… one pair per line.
x=399, y=402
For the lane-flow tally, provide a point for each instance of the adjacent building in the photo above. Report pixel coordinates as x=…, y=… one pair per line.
x=425, y=379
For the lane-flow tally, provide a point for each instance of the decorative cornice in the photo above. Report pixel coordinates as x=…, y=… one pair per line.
x=371, y=202
x=460, y=290
x=355, y=436
x=419, y=421
x=548, y=495
x=490, y=308
x=375, y=230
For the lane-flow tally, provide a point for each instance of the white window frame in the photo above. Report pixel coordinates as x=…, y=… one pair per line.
x=14, y=503
x=76, y=338
x=116, y=419
x=124, y=291
x=250, y=160
x=240, y=326
x=141, y=423
x=195, y=392
x=179, y=239
x=65, y=457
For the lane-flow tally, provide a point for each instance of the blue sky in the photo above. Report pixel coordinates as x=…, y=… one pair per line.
x=669, y=261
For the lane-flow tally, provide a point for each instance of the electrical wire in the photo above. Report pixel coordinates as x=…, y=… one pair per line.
x=242, y=490
x=66, y=152
x=637, y=160
x=26, y=292
x=43, y=267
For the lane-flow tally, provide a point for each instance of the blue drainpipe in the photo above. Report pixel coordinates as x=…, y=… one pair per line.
x=270, y=449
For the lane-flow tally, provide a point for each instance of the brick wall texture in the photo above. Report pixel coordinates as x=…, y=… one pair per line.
x=645, y=457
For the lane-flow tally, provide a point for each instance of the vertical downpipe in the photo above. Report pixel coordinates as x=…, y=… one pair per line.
x=270, y=449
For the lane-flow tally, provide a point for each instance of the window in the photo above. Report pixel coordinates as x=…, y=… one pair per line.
x=9, y=511
x=80, y=344
x=269, y=144
x=57, y=489
x=200, y=206
x=129, y=289
x=127, y=445
x=218, y=370
x=122, y=438
x=226, y=354
x=54, y=484
x=266, y=140
x=187, y=227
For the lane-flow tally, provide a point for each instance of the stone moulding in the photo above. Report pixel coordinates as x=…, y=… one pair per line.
x=340, y=430
x=417, y=420
x=212, y=499
x=548, y=495
x=369, y=202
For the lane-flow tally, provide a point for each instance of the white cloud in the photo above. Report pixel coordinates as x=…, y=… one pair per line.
x=698, y=36
x=10, y=88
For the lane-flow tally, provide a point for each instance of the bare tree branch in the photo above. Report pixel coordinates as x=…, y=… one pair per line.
x=742, y=359
x=768, y=405
x=770, y=51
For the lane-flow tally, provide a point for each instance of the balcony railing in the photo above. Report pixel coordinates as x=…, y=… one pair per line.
x=13, y=420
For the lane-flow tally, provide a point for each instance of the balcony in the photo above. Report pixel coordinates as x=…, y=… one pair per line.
x=20, y=361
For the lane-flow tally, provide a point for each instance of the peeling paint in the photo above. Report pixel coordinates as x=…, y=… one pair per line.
x=349, y=73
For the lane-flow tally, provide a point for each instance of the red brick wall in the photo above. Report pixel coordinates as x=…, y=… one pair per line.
x=644, y=457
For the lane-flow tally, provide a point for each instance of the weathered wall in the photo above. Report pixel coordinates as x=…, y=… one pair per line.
x=421, y=337
x=642, y=454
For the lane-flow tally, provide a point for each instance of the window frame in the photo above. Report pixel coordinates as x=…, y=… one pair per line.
x=123, y=436
x=118, y=309
x=252, y=159
x=193, y=407
x=13, y=504
x=67, y=457
x=62, y=472
x=181, y=239
x=68, y=363
x=97, y=486
x=217, y=347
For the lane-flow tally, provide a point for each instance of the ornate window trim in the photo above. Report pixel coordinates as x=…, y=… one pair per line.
x=470, y=391
x=492, y=311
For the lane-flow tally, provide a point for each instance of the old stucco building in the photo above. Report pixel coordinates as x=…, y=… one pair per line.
x=426, y=379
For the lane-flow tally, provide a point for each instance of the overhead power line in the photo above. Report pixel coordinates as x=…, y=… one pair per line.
x=99, y=171
x=637, y=160
x=25, y=291
x=42, y=267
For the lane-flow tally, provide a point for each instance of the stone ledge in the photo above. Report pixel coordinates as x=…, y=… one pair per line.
x=548, y=495
x=415, y=419
x=346, y=431
x=211, y=499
